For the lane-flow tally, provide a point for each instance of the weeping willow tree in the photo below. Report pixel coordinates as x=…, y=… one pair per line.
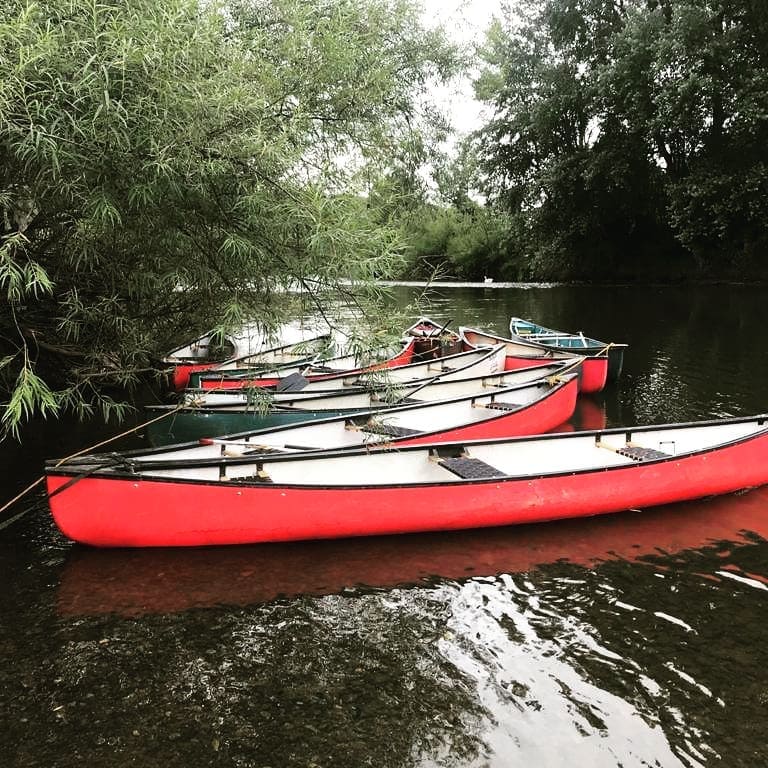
x=168, y=166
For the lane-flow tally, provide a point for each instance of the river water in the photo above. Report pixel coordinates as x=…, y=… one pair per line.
x=636, y=639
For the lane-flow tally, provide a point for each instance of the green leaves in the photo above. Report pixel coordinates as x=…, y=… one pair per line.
x=170, y=166
x=20, y=278
x=623, y=133
x=30, y=395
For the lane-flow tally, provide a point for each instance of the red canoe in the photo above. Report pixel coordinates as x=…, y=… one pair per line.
x=345, y=365
x=521, y=355
x=462, y=365
x=304, y=351
x=518, y=409
x=379, y=490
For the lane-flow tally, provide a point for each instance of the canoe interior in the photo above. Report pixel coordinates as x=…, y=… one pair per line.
x=550, y=404
x=461, y=365
x=540, y=456
x=564, y=342
x=197, y=423
x=390, y=391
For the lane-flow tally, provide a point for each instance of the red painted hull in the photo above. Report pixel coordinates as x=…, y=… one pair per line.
x=131, y=511
x=182, y=372
x=594, y=370
x=540, y=416
x=403, y=358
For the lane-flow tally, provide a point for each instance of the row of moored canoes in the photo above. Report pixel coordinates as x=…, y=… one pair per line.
x=448, y=431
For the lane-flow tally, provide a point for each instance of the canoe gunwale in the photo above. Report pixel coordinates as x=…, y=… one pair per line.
x=91, y=468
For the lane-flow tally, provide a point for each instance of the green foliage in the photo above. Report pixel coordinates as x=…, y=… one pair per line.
x=630, y=136
x=467, y=244
x=171, y=166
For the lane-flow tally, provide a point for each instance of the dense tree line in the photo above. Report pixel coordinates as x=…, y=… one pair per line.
x=629, y=139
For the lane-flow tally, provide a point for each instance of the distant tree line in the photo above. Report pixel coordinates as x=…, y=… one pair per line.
x=629, y=141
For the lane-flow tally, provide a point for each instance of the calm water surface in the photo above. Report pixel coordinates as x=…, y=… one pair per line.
x=636, y=639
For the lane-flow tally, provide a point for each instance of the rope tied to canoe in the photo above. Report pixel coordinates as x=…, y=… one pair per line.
x=90, y=470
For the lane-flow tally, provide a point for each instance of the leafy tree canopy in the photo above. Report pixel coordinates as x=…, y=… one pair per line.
x=167, y=166
x=630, y=136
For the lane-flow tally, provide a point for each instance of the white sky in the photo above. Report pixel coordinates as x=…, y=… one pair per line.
x=466, y=22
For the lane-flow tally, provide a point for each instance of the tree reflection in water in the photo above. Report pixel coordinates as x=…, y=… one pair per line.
x=332, y=681
x=658, y=661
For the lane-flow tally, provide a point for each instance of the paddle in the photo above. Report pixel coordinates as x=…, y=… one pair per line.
x=430, y=335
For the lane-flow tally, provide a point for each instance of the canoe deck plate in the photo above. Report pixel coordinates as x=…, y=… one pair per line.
x=638, y=453
x=502, y=406
x=391, y=430
x=292, y=383
x=470, y=469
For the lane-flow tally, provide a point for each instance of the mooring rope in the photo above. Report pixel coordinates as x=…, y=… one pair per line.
x=40, y=479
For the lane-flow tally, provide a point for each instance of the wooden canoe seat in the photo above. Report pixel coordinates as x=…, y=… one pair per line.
x=469, y=469
x=501, y=406
x=390, y=430
x=638, y=453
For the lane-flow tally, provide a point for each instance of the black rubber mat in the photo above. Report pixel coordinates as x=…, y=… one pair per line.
x=639, y=453
x=470, y=469
x=292, y=383
x=502, y=406
x=391, y=430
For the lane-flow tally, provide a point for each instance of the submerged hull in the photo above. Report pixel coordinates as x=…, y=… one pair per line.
x=121, y=509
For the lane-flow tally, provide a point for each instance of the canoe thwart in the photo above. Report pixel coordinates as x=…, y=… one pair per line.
x=396, y=400
x=441, y=368
x=259, y=477
x=468, y=468
x=259, y=449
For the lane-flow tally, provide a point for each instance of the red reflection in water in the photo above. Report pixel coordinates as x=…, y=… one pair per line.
x=133, y=582
x=590, y=413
